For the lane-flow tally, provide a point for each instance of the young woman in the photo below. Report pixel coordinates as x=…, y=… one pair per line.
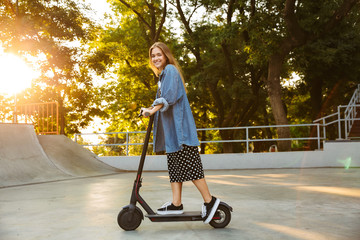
x=175, y=132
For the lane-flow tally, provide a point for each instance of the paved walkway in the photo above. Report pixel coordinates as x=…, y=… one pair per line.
x=314, y=204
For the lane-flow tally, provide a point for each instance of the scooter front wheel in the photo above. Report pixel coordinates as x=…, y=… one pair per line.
x=129, y=221
x=221, y=218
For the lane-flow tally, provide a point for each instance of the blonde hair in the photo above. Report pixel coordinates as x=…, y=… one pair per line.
x=169, y=59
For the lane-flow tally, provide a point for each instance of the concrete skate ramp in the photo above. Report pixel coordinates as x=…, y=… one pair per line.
x=72, y=158
x=22, y=159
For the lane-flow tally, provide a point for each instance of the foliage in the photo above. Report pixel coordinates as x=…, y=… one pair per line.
x=46, y=33
x=328, y=67
x=236, y=56
x=123, y=50
x=224, y=48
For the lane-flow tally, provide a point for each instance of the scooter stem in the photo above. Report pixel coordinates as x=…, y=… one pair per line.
x=146, y=143
x=135, y=196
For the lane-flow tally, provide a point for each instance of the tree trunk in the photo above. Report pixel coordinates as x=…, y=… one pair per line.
x=323, y=105
x=61, y=116
x=203, y=145
x=228, y=147
x=274, y=91
x=297, y=37
x=315, y=97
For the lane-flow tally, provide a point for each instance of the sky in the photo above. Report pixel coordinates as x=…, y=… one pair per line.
x=13, y=81
x=100, y=7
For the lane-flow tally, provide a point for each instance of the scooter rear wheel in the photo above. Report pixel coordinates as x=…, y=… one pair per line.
x=129, y=221
x=223, y=217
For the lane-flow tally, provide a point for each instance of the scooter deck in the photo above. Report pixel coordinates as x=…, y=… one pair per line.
x=186, y=216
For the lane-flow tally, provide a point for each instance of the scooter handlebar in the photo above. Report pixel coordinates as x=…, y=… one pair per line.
x=146, y=113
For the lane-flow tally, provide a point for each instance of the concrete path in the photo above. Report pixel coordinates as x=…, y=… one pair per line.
x=316, y=204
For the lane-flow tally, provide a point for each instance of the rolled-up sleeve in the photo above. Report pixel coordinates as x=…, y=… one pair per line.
x=163, y=101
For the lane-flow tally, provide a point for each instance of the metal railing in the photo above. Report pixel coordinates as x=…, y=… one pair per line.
x=126, y=144
x=349, y=116
x=248, y=139
x=44, y=116
x=351, y=111
x=321, y=123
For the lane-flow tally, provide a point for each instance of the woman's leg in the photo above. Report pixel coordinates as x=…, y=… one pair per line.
x=211, y=203
x=176, y=191
x=176, y=206
x=203, y=189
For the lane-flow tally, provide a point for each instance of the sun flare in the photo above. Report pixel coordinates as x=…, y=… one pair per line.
x=15, y=74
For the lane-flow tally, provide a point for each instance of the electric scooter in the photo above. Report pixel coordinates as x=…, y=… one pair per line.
x=130, y=217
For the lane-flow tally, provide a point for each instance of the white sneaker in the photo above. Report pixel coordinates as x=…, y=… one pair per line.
x=209, y=209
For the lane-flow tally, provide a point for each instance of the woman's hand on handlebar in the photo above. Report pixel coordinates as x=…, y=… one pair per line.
x=146, y=112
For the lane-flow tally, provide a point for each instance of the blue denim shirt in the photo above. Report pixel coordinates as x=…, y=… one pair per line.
x=174, y=123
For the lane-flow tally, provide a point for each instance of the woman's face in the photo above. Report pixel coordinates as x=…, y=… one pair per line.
x=158, y=58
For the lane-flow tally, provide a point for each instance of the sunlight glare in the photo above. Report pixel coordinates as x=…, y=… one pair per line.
x=343, y=191
x=16, y=75
x=293, y=231
x=292, y=81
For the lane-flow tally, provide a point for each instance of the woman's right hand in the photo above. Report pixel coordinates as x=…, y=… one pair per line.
x=146, y=112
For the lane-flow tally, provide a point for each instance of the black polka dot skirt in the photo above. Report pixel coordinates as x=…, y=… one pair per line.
x=185, y=165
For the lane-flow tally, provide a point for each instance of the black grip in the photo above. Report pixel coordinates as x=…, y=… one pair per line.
x=146, y=114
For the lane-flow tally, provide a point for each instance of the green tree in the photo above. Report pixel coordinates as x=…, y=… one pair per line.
x=296, y=26
x=121, y=50
x=217, y=40
x=234, y=57
x=48, y=31
x=329, y=67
